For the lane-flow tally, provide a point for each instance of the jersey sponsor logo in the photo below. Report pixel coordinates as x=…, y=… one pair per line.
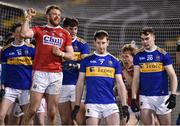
x=23, y=60
x=100, y=71
x=151, y=67
x=51, y=40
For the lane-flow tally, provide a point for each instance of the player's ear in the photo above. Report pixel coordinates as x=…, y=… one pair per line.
x=47, y=16
x=94, y=42
x=108, y=42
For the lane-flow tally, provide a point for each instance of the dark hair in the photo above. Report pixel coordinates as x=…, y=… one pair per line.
x=72, y=22
x=50, y=7
x=147, y=30
x=8, y=39
x=13, y=28
x=101, y=34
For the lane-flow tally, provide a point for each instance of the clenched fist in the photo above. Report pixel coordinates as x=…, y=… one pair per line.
x=57, y=52
x=30, y=13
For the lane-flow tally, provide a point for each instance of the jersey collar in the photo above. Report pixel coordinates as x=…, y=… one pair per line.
x=53, y=27
x=101, y=54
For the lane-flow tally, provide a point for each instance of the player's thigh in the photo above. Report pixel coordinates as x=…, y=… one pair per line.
x=147, y=116
x=35, y=100
x=164, y=119
x=67, y=93
x=65, y=109
x=132, y=120
x=52, y=103
x=113, y=119
x=92, y=121
x=4, y=106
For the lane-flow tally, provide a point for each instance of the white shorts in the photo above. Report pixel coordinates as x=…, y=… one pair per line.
x=24, y=98
x=11, y=94
x=42, y=106
x=156, y=103
x=67, y=93
x=101, y=110
x=47, y=82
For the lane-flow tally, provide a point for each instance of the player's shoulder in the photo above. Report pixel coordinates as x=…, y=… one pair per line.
x=64, y=30
x=29, y=45
x=113, y=57
x=161, y=50
x=6, y=47
x=89, y=56
x=139, y=51
x=81, y=40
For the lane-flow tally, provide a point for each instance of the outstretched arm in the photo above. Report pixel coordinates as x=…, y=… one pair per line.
x=26, y=32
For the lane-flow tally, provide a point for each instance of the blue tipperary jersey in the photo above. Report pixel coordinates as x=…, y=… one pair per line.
x=80, y=47
x=153, y=76
x=100, y=71
x=17, y=65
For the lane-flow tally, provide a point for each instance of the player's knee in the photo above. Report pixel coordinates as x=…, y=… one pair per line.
x=52, y=112
x=66, y=121
x=31, y=111
x=2, y=117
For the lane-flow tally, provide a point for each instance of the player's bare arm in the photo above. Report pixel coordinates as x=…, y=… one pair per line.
x=173, y=78
x=67, y=55
x=26, y=32
x=121, y=89
x=135, y=83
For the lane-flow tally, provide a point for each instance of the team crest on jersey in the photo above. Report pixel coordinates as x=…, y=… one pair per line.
x=157, y=58
x=75, y=48
x=26, y=52
x=87, y=110
x=60, y=34
x=110, y=63
x=51, y=40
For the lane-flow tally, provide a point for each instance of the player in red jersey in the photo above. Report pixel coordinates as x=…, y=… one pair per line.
x=128, y=51
x=52, y=44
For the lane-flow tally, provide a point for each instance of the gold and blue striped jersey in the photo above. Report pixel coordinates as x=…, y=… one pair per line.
x=17, y=65
x=100, y=71
x=153, y=76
